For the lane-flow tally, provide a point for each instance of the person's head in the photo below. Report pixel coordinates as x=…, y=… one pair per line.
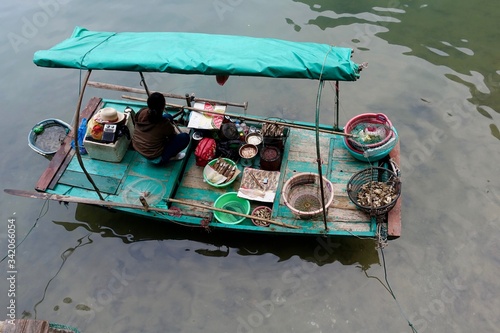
x=156, y=105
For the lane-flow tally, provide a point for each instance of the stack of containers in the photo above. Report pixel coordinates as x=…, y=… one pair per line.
x=373, y=138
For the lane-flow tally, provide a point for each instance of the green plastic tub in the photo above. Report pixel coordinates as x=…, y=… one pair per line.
x=230, y=201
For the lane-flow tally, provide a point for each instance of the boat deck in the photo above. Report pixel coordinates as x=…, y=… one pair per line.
x=183, y=182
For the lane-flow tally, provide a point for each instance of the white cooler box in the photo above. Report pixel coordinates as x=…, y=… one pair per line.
x=111, y=152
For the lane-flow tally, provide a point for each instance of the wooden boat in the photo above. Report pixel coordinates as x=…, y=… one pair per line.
x=181, y=193
x=34, y=326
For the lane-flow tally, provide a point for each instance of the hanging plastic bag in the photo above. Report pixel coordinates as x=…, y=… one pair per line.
x=82, y=130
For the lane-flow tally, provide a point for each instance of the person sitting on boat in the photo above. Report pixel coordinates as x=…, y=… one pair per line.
x=155, y=135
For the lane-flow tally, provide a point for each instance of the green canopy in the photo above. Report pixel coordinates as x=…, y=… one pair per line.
x=195, y=53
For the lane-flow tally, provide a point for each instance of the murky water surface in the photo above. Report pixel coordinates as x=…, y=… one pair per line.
x=433, y=70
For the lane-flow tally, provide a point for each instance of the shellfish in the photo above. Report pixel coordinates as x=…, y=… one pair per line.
x=376, y=194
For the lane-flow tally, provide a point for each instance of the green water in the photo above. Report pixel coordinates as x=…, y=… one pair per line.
x=433, y=69
x=231, y=206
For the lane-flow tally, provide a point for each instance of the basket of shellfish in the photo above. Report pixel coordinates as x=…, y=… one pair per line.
x=374, y=190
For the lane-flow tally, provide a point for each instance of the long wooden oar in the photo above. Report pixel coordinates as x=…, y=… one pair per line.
x=169, y=95
x=311, y=128
x=281, y=224
x=67, y=198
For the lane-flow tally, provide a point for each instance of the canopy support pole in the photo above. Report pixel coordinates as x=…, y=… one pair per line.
x=336, y=124
x=188, y=100
x=76, y=128
x=143, y=82
x=318, y=153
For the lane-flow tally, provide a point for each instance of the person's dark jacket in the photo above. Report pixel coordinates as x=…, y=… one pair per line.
x=150, y=138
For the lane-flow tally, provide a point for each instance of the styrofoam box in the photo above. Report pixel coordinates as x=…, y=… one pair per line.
x=111, y=152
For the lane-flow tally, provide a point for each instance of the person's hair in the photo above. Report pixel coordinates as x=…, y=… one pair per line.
x=156, y=105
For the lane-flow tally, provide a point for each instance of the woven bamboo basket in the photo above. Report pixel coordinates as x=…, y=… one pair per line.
x=302, y=194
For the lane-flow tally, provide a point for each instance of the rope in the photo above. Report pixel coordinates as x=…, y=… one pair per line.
x=64, y=256
x=93, y=48
x=40, y=215
x=382, y=234
x=389, y=288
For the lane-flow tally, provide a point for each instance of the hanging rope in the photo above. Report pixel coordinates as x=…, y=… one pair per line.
x=389, y=288
x=43, y=211
x=381, y=233
x=64, y=256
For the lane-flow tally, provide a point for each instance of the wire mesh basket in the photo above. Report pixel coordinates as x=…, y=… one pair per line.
x=302, y=194
x=374, y=190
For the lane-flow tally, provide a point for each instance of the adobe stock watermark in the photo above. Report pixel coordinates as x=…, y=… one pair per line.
x=450, y=293
x=292, y=280
x=426, y=148
x=102, y=298
x=30, y=25
x=222, y=7
x=364, y=36
x=11, y=269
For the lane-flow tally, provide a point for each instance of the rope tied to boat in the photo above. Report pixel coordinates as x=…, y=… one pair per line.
x=382, y=234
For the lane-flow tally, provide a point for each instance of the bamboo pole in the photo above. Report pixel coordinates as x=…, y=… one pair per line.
x=108, y=204
x=183, y=202
x=116, y=87
x=76, y=129
x=67, y=198
x=245, y=117
x=144, y=83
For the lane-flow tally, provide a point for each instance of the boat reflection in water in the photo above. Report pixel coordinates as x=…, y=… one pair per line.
x=317, y=250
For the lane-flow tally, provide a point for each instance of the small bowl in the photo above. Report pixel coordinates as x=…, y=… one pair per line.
x=260, y=223
x=197, y=136
x=230, y=201
x=254, y=138
x=248, y=151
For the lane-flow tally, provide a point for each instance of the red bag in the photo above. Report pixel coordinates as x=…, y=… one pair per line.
x=205, y=151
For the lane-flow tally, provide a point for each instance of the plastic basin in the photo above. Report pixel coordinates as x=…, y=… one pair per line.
x=231, y=202
x=375, y=154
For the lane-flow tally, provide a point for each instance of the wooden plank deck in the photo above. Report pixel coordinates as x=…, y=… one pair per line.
x=184, y=181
